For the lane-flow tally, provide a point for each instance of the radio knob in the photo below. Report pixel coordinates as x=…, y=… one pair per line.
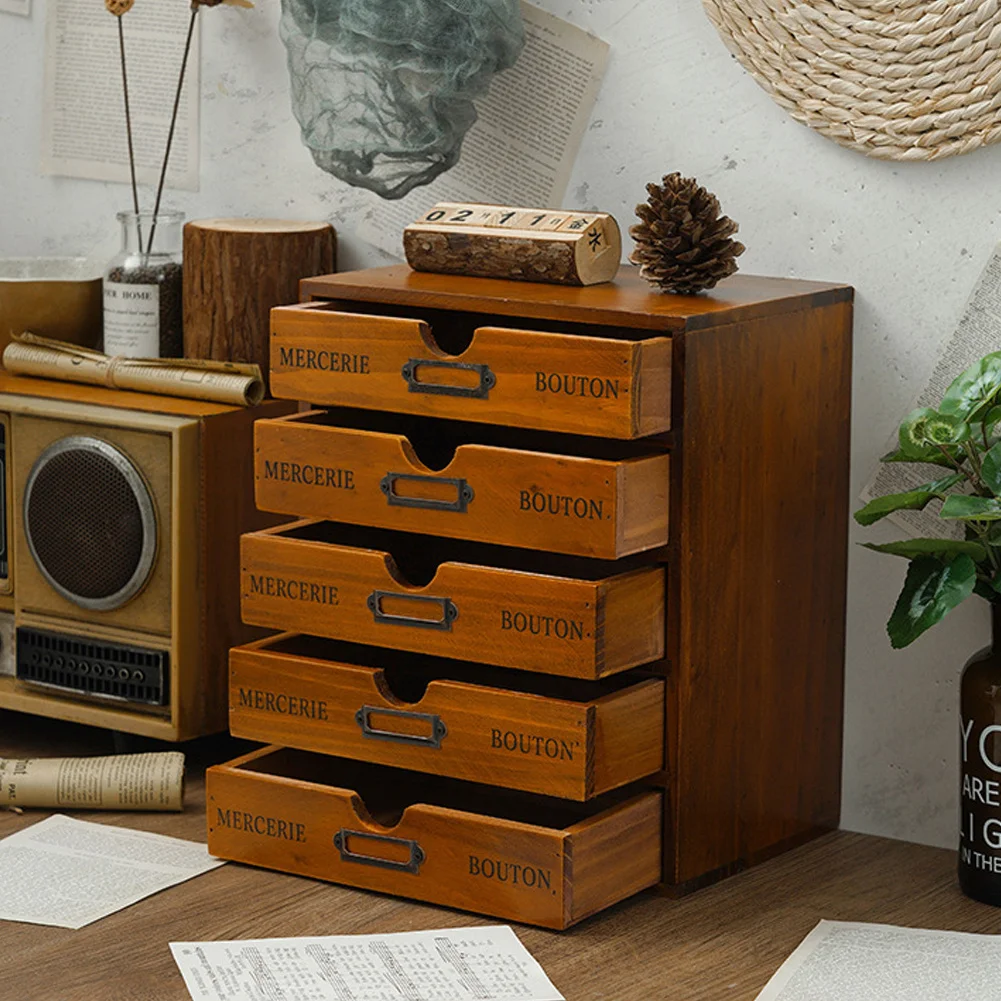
x=138, y=676
x=84, y=667
x=123, y=674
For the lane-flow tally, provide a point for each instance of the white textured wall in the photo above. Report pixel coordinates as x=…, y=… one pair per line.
x=910, y=238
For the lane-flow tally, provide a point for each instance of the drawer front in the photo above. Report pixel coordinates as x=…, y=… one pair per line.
x=544, y=875
x=537, y=622
x=521, y=378
x=515, y=739
x=566, y=504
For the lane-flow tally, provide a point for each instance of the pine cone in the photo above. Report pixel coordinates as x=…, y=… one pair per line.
x=683, y=244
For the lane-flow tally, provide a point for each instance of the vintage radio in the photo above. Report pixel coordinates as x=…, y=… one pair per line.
x=119, y=540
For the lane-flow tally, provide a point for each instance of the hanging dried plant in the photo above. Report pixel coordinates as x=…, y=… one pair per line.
x=196, y=6
x=120, y=8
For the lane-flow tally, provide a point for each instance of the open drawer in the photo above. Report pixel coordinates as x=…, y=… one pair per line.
x=523, y=378
x=511, y=855
x=536, y=490
x=535, y=611
x=555, y=736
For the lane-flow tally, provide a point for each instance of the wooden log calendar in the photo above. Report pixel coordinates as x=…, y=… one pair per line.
x=556, y=246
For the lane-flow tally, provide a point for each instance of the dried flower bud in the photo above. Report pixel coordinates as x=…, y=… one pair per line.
x=119, y=7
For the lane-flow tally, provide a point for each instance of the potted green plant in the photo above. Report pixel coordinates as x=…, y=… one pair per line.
x=962, y=436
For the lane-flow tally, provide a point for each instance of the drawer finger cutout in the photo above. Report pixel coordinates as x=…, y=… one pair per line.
x=349, y=465
x=515, y=856
x=554, y=736
x=534, y=611
x=582, y=384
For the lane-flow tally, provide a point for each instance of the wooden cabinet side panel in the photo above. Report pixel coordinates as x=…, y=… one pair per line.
x=615, y=855
x=762, y=554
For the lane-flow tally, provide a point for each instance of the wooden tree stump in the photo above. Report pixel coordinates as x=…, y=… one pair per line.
x=235, y=270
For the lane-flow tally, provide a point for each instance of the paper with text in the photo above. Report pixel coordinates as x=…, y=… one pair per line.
x=977, y=334
x=83, y=111
x=850, y=961
x=522, y=148
x=22, y=7
x=450, y=964
x=150, y=781
x=68, y=872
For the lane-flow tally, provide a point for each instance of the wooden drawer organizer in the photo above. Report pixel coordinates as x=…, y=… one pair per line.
x=564, y=617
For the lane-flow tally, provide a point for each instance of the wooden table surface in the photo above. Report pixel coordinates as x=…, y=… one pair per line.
x=723, y=942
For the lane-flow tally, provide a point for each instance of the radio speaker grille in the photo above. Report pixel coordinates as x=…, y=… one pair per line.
x=89, y=522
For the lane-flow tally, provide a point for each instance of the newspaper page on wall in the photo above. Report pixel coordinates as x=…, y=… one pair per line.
x=522, y=148
x=22, y=7
x=83, y=111
x=977, y=334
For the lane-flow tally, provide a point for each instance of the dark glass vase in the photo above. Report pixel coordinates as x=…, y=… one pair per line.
x=980, y=771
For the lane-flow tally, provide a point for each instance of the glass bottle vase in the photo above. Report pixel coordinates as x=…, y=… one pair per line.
x=980, y=771
x=142, y=288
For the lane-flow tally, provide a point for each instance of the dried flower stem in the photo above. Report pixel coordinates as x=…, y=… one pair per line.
x=128, y=129
x=173, y=122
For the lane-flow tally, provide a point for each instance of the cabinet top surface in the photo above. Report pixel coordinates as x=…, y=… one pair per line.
x=628, y=301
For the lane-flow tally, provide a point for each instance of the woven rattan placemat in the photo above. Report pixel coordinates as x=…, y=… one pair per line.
x=896, y=79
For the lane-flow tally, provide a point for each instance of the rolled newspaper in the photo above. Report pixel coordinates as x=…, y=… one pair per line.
x=153, y=781
x=234, y=383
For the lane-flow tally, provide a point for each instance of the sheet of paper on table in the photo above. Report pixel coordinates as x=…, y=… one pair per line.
x=448, y=964
x=850, y=961
x=522, y=147
x=68, y=873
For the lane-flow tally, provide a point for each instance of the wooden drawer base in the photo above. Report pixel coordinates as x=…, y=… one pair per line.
x=518, y=857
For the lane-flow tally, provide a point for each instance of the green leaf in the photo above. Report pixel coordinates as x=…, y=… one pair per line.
x=945, y=429
x=912, y=500
x=931, y=589
x=914, y=431
x=974, y=391
x=925, y=435
x=942, y=548
x=959, y=507
x=991, y=419
x=991, y=469
x=931, y=455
